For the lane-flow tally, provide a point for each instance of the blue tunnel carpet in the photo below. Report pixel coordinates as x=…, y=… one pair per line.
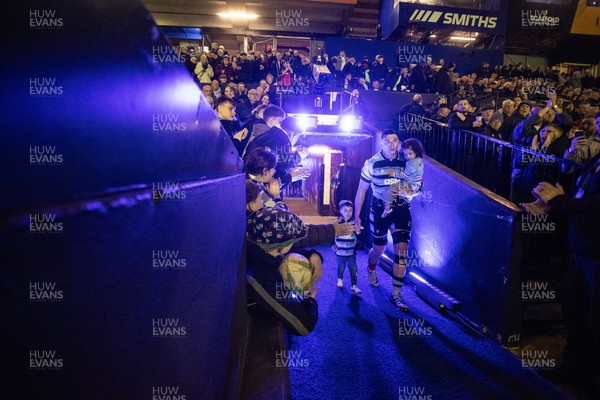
x=365, y=348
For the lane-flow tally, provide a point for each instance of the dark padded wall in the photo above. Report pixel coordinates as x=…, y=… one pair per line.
x=135, y=195
x=465, y=240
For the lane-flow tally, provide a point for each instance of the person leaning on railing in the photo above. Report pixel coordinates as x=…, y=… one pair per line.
x=586, y=146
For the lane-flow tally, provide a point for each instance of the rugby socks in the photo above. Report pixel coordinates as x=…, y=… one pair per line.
x=397, y=281
x=397, y=284
x=372, y=267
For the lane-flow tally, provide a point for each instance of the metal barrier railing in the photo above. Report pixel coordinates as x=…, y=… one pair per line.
x=506, y=169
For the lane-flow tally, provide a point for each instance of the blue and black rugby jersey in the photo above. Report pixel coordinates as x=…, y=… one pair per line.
x=375, y=172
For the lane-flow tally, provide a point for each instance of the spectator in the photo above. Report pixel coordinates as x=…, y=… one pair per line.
x=256, y=126
x=225, y=68
x=581, y=355
x=486, y=112
x=216, y=88
x=509, y=124
x=277, y=67
x=230, y=92
x=463, y=118
x=523, y=135
x=286, y=75
x=508, y=107
x=416, y=107
x=245, y=106
x=585, y=147
x=203, y=70
x=417, y=80
x=350, y=67
x=242, y=92
x=208, y=93
x=265, y=284
x=347, y=83
x=492, y=128
x=442, y=114
x=379, y=70
x=442, y=83
x=245, y=72
x=401, y=79
x=226, y=113
x=278, y=141
x=265, y=99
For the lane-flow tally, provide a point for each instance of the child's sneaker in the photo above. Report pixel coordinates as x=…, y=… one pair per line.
x=397, y=300
x=340, y=283
x=373, y=278
x=354, y=289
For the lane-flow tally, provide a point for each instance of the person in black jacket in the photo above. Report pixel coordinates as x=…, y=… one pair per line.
x=270, y=235
x=278, y=141
x=581, y=301
x=463, y=118
x=226, y=112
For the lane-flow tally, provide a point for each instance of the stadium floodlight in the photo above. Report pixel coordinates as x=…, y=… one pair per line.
x=307, y=121
x=349, y=123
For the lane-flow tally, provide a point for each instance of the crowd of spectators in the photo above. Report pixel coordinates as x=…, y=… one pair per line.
x=270, y=74
x=539, y=109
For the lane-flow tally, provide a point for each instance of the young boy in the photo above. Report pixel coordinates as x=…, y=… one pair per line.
x=411, y=177
x=255, y=198
x=344, y=248
x=270, y=234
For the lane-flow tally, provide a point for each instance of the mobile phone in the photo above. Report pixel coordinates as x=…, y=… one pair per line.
x=578, y=133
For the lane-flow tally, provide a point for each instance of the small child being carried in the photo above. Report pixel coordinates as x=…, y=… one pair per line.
x=411, y=177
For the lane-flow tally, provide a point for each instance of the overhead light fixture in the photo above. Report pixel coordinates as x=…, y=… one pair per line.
x=239, y=15
x=307, y=122
x=350, y=123
x=468, y=39
x=433, y=36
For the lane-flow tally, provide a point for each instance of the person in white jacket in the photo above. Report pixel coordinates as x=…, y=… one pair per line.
x=203, y=70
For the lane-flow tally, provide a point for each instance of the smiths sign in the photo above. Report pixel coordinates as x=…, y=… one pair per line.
x=463, y=19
